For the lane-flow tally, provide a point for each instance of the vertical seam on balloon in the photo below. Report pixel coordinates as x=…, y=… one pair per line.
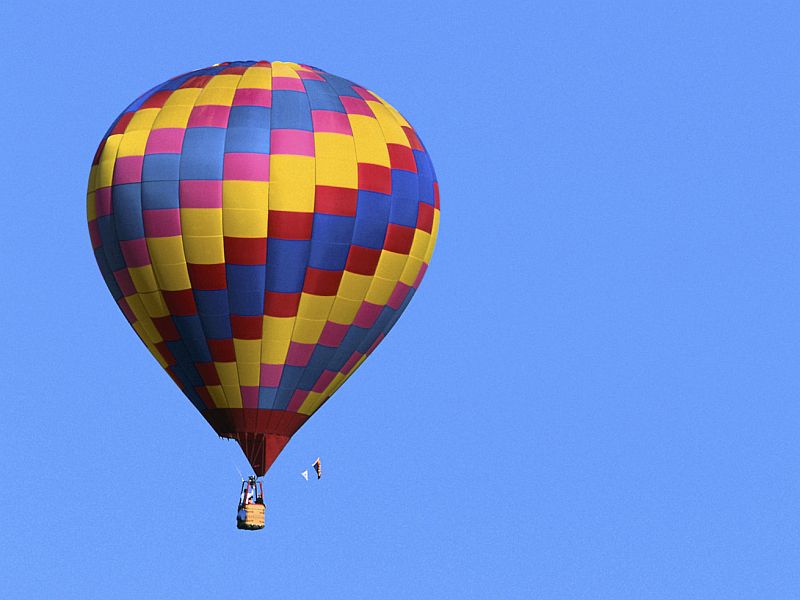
x=150, y=259
x=323, y=397
x=308, y=254
x=225, y=264
x=269, y=209
x=225, y=260
x=114, y=218
x=389, y=220
x=352, y=235
x=400, y=309
x=176, y=366
x=397, y=312
x=259, y=411
x=183, y=246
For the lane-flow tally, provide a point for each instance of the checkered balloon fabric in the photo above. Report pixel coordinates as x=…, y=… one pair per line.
x=262, y=226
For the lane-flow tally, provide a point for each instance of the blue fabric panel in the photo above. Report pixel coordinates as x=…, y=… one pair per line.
x=217, y=327
x=426, y=177
x=291, y=375
x=127, y=203
x=405, y=202
x=246, y=289
x=160, y=194
x=250, y=117
x=342, y=87
x=266, y=397
x=373, y=206
x=111, y=249
x=286, y=264
x=369, y=233
x=245, y=277
x=331, y=257
x=161, y=167
x=108, y=276
x=377, y=328
x=349, y=345
x=282, y=398
x=193, y=337
x=290, y=110
x=211, y=302
x=318, y=362
x=202, y=155
x=322, y=97
x=332, y=228
x=255, y=141
x=248, y=129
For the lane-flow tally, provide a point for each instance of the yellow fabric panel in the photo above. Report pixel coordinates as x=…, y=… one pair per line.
x=137, y=308
x=274, y=352
x=395, y=113
x=420, y=244
x=434, y=234
x=143, y=320
x=337, y=173
x=292, y=183
x=201, y=222
x=245, y=194
x=277, y=328
x=344, y=310
x=314, y=307
x=353, y=285
x=257, y=78
x=307, y=331
x=204, y=250
x=181, y=97
x=334, y=145
x=176, y=116
x=368, y=137
x=140, y=331
x=248, y=351
x=155, y=305
x=216, y=96
x=105, y=167
x=144, y=280
x=91, y=206
x=411, y=270
x=166, y=250
x=380, y=290
x=173, y=277
x=217, y=395
x=223, y=81
x=336, y=160
x=239, y=222
x=133, y=143
x=249, y=373
x=228, y=374
x=91, y=186
x=284, y=69
x=335, y=384
x=359, y=362
x=233, y=395
x=311, y=403
x=142, y=120
x=392, y=132
x=390, y=265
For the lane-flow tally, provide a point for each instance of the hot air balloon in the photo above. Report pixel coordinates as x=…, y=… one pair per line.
x=262, y=226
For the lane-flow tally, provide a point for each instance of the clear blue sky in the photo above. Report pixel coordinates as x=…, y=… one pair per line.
x=594, y=394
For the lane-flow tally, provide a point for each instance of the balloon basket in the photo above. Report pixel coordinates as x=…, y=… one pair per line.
x=254, y=517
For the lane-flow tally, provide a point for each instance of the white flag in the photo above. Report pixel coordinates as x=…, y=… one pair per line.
x=305, y=474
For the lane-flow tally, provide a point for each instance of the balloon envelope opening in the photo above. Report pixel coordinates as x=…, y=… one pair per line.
x=261, y=433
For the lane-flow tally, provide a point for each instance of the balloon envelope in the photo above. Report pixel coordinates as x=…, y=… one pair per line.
x=262, y=226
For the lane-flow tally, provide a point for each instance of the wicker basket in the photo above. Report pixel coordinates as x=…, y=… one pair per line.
x=254, y=517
